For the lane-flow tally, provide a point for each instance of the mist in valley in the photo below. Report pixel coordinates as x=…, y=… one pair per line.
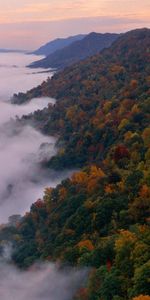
x=42, y=282
x=22, y=182
x=21, y=179
x=16, y=77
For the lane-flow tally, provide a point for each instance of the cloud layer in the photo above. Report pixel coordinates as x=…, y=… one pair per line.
x=37, y=10
x=22, y=181
x=42, y=282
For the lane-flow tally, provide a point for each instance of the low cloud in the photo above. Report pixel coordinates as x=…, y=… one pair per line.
x=15, y=77
x=8, y=111
x=22, y=180
x=42, y=282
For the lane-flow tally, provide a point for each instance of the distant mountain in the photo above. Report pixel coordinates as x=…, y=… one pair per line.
x=79, y=50
x=12, y=51
x=57, y=44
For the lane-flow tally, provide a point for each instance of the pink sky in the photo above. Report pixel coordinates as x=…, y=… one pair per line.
x=29, y=23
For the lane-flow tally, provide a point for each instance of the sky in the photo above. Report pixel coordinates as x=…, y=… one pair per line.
x=27, y=24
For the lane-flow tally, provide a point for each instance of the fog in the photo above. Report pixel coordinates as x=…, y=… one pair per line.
x=8, y=111
x=15, y=77
x=43, y=282
x=22, y=181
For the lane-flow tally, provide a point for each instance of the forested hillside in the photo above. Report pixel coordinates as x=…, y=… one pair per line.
x=76, y=51
x=100, y=216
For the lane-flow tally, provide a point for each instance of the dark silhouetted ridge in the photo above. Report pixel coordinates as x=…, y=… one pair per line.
x=78, y=50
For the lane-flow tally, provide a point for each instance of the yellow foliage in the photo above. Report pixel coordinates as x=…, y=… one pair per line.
x=94, y=216
x=89, y=179
x=61, y=151
x=139, y=206
x=86, y=244
x=135, y=109
x=121, y=186
x=144, y=229
x=108, y=117
x=47, y=193
x=128, y=136
x=123, y=123
x=146, y=136
x=109, y=189
x=121, y=110
x=79, y=178
x=135, y=156
x=96, y=172
x=142, y=297
x=62, y=193
x=92, y=184
x=147, y=155
x=88, y=204
x=125, y=237
x=107, y=107
x=116, y=69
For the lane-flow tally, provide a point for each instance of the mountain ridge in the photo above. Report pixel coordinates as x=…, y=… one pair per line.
x=76, y=51
x=56, y=44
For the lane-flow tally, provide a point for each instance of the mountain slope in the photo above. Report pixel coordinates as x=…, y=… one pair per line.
x=118, y=74
x=100, y=216
x=57, y=44
x=78, y=50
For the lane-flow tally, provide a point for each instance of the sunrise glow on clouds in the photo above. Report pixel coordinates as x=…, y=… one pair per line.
x=56, y=15
x=48, y=10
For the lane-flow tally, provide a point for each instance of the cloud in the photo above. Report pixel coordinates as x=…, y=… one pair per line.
x=33, y=34
x=22, y=180
x=15, y=77
x=37, y=10
x=42, y=282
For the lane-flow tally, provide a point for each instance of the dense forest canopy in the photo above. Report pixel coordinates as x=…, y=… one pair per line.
x=100, y=216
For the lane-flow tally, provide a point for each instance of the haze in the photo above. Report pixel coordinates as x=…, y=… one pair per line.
x=44, y=282
x=22, y=181
x=15, y=77
x=29, y=23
